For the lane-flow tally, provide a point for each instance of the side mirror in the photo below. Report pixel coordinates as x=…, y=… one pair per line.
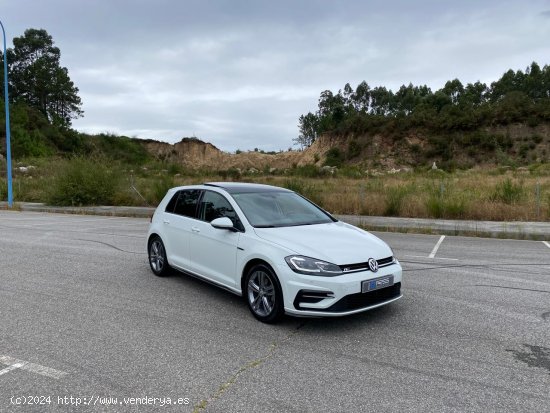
x=222, y=223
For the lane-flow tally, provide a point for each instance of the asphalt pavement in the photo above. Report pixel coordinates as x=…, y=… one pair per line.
x=86, y=326
x=531, y=230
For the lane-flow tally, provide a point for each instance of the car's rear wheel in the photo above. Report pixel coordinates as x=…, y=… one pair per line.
x=157, y=257
x=263, y=294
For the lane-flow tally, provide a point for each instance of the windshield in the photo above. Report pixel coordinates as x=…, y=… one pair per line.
x=279, y=209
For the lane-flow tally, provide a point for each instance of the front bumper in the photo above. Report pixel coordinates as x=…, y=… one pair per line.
x=313, y=296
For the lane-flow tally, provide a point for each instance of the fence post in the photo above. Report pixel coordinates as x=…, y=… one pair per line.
x=537, y=199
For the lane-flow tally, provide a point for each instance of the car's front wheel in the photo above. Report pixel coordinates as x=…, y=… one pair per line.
x=263, y=294
x=157, y=257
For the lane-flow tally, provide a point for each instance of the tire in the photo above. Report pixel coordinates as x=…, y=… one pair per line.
x=157, y=257
x=263, y=294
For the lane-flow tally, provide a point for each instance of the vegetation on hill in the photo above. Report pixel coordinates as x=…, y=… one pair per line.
x=453, y=119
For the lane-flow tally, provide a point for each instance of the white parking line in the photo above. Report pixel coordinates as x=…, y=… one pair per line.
x=434, y=251
x=546, y=243
x=13, y=364
x=10, y=368
x=435, y=258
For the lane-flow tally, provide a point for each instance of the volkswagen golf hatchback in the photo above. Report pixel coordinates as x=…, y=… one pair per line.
x=275, y=248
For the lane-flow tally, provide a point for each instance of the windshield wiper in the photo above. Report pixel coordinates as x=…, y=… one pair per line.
x=305, y=223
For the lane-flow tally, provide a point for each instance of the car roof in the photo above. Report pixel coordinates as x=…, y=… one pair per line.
x=242, y=187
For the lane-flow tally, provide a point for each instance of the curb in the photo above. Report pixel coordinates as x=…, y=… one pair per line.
x=114, y=211
x=538, y=231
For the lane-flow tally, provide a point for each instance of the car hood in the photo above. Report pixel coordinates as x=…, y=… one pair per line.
x=335, y=242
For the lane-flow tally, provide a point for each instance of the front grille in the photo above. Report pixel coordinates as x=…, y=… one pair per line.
x=385, y=261
x=362, y=300
x=364, y=266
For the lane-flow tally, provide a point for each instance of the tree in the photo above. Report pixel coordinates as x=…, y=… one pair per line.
x=362, y=97
x=474, y=94
x=407, y=98
x=308, y=126
x=332, y=111
x=382, y=101
x=37, y=78
x=509, y=82
x=453, y=89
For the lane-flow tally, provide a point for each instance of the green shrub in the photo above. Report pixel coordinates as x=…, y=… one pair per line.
x=122, y=148
x=507, y=192
x=334, y=157
x=174, y=169
x=350, y=172
x=394, y=200
x=354, y=149
x=308, y=171
x=444, y=202
x=446, y=206
x=523, y=149
x=160, y=187
x=3, y=190
x=231, y=173
x=31, y=143
x=82, y=181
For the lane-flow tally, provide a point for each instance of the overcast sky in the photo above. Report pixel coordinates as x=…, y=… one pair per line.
x=239, y=73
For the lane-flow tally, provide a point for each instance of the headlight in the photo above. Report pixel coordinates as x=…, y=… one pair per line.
x=311, y=266
x=393, y=255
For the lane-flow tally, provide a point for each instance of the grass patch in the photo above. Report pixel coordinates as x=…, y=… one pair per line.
x=504, y=194
x=81, y=181
x=394, y=200
x=508, y=192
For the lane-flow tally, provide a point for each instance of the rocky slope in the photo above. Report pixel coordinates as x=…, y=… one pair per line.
x=523, y=144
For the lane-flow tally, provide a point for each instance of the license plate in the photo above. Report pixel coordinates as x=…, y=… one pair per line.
x=377, y=283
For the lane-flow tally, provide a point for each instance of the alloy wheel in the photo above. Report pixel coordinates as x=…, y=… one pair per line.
x=261, y=293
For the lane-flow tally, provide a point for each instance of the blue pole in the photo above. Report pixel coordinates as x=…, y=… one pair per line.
x=7, y=105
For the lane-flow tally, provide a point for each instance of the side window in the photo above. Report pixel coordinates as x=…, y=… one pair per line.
x=172, y=203
x=186, y=203
x=214, y=205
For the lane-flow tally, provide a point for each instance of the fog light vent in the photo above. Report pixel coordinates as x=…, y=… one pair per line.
x=311, y=297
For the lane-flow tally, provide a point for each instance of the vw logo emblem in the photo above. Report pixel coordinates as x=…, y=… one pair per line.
x=373, y=265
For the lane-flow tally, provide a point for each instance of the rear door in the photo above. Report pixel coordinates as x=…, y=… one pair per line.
x=180, y=214
x=213, y=251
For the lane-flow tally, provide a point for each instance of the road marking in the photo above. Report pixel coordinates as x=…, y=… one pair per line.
x=546, y=243
x=13, y=364
x=434, y=251
x=10, y=368
x=435, y=258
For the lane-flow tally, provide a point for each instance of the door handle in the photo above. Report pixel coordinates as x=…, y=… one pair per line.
x=166, y=222
x=195, y=229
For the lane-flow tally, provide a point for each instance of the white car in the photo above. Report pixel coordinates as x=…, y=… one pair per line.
x=280, y=251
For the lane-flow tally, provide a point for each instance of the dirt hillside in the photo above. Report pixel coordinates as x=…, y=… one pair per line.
x=196, y=154
x=367, y=150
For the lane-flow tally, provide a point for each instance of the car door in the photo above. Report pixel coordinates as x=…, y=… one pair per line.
x=177, y=223
x=213, y=251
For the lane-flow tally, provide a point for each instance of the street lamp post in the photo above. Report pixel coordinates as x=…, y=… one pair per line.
x=7, y=105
